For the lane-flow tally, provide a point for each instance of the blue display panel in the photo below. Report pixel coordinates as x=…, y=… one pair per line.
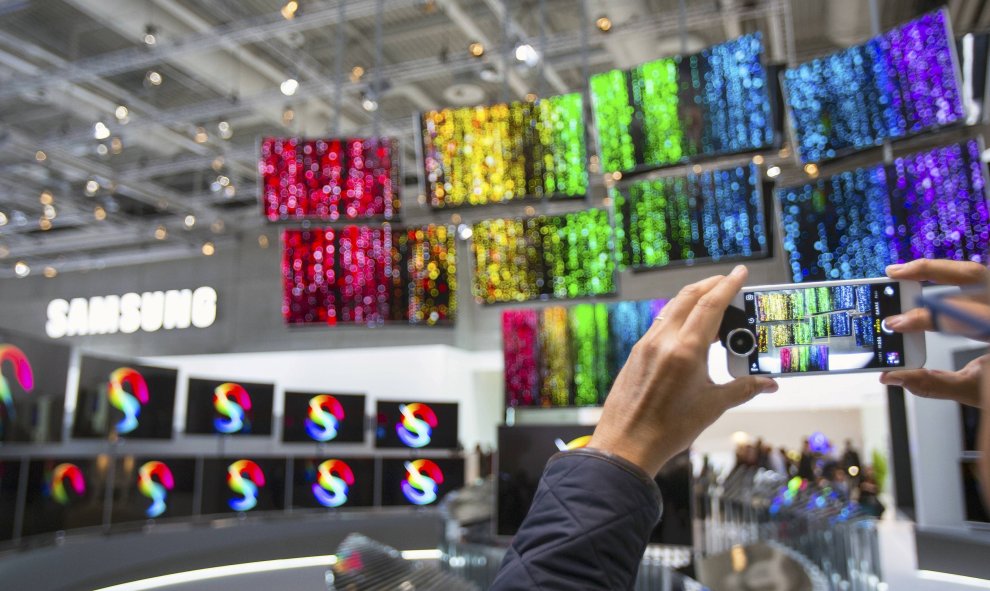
x=896, y=84
x=709, y=216
x=852, y=225
x=679, y=109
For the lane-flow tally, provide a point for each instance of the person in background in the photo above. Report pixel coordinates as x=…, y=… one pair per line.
x=806, y=466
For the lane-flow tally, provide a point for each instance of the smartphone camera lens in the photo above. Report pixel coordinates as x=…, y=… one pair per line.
x=742, y=342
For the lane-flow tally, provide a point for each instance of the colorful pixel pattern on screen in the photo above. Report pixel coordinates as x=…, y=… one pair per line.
x=899, y=83
x=708, y=216
x=565, y=256
x=329, y=179
x=677, y=109
x=370, y=276
x=506, y=152
x=852, y=225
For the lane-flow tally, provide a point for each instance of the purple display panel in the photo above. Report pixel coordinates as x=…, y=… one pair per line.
x=329, y=179
x=940, y=197
x=520, y=329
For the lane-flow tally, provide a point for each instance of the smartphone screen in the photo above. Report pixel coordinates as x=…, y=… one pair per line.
x=825, y=328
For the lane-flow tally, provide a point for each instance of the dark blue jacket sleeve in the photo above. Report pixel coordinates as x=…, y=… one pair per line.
x=588, y=526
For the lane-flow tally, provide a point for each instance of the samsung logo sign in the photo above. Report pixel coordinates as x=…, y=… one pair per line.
x=150, y=311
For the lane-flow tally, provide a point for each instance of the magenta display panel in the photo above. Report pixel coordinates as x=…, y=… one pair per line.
x=329, y=179
x=369, y=275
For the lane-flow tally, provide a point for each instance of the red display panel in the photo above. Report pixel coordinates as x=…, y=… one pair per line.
x=329, y=179
x=368, y=275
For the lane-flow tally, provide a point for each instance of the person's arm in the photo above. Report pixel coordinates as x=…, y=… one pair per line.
x=591, y=518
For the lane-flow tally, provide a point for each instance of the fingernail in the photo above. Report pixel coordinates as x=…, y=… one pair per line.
x=891, y=380
x=894, y=268
x=895, y=321
x=770, y=387
x=739, y=270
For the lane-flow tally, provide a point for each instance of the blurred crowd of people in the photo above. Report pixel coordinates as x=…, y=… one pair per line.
x=843, y=472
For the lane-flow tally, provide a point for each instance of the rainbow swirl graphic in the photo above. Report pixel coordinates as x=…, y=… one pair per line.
x=233, y=411
x=333, y=480
x=156, y=491
x=59, y=476
x=325, y=414
x=22, y=373
x=423, y=478
x=129, y=404
x=244, y=477
x=417, y=424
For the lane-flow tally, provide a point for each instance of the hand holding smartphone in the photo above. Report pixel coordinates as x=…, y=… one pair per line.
x=819, y=328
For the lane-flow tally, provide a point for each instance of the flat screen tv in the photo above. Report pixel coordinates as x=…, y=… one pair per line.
x=329, y=178
x=416, y=425
x=523, y=452
x=33, y=380
x=930, y=204
x=708, y=217
x=320, y=417
x=420, y=482
x=219, y=407
x=153, y=488
x=240, y=485
x=900, y=83
x=684, y=108
x=975, y=507
x=505, y=152
x=65, y=494
x=333, y=483
x=121, y=398
x=10, y=477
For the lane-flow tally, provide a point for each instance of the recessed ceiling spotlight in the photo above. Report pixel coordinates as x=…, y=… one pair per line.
x=811, y=169
x=21, y=269
x=208, y=249
x=288, y=114
x=357, y=72
x=122, y=114
x=46, y=197
x=225, y=130
x=604, y=24
x=49, y=212
x=217, y=227
x=369, y=104
x=526, y=54
x=217, y=163
x=189, y=221
x=116, y=145
x=102, y=150
x=99, y=213
x=153, y=77
x=101, y=131
x=40, y=156
x=476, y=49
x=201, y=137
x=161, y=233
x=289, y=10
x=150, y=35
x=3, y=219
x=45, y=224
x=50, y=272
x=92, y=187
x=773, y=172
x=289, y=86
x=229, y=191
x=263, y=241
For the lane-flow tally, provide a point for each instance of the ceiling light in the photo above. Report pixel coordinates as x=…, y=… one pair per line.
x=773, y=172
x=464, y=231
x=811, y=169
x=289, y=86
x=121, y=113
x=289, y=10
x=153, y=78
x=3, y=219
x=217, y=163
x=50, y=272
x=161, y=233
x=40, y=156
x=99, y=213
x=357, y=72
x=92, y=187
x=223, y=181
x=208, y=249
x=369, y=104
x=190, y=221
x=529, y=210
x=757, y=160
x=225, y=130
x=201, y=136
x=46, y=197
x=217, y=226
x=288, y=115
x=604, y=24
x=229, y=191
x=476, y=49
x=49, y=212
x=21, y=269
x=150, y=35
x=101, y=131
x=45, y=224
x=526, y=54
x=102, y=150
x=263, y=241
x=116, y=145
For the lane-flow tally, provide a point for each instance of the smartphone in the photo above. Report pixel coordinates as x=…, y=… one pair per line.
x=819, y=328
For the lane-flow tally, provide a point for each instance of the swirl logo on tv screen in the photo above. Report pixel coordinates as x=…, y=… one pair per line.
x=423, y=479
x=127, y=403
x=232, y=402
x=244, y=477
x=333, y=480
x=22, y=373
x=415, y=429
x=323, y=418
x=156, y=491
x=61, y=474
